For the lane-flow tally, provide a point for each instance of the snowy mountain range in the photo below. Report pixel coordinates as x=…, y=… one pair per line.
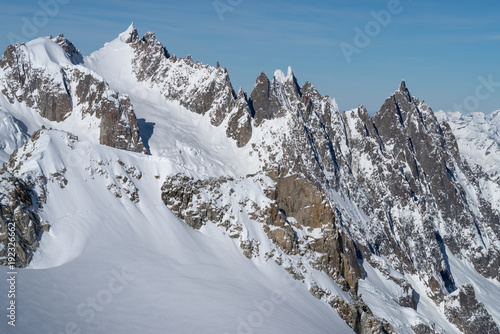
x=148, y=196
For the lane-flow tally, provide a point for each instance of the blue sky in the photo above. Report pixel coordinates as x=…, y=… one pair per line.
x=447, y=51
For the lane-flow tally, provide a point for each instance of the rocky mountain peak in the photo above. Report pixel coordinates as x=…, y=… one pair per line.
x=200, y=88
x=287, y=83
x=427, y=152
x=398, y=110
x=130, y=35
x=402, y=86
x=262, y=79
x=404, y=91
x=241, y=94
x=263, y=102
x=239, y=125
x=55, y=85
x=150, y=39
x=362, y=112
x=495, y=118
x=72, y=52
x=308, y=90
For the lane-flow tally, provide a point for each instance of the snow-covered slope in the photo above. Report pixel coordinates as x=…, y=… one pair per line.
x=145, y=270
x=478, y=137
x=11, y=135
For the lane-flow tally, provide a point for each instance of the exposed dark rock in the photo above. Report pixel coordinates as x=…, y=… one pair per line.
x=400, y=161
x=338, y=258
x=33, y=86
x=239, y=125
x=423, y=329
x=20, y=225
x=360, y=318
x=200, y=88
x=264, y=103
x=467, y=313
x=182, y=195
x=119, y=127
x=250, y=248
x=71, y=51
x=296, y=204
x=296, y=198
x=391, y=190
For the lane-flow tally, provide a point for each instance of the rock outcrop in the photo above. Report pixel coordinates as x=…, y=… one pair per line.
x=24, y=82
x=470, y=316
x=402, y=169
x=263, y=100
x=183, y=195
x=239, y=125
x=119, y=127
x=360, y=318
x=20, y=225
x=71, y=51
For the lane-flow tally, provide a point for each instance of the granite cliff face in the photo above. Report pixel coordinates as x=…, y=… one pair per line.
x=18, y=214
x=263, y=100
x=470, y=316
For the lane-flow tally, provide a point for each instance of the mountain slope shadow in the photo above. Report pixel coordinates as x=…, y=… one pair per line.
x=146, y=130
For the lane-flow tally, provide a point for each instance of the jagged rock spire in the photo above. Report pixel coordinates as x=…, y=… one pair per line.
x=402, y=86
x=403, y=89
x=71, y=51
x=241, y=93
x=130, y=35
x=263, y=101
